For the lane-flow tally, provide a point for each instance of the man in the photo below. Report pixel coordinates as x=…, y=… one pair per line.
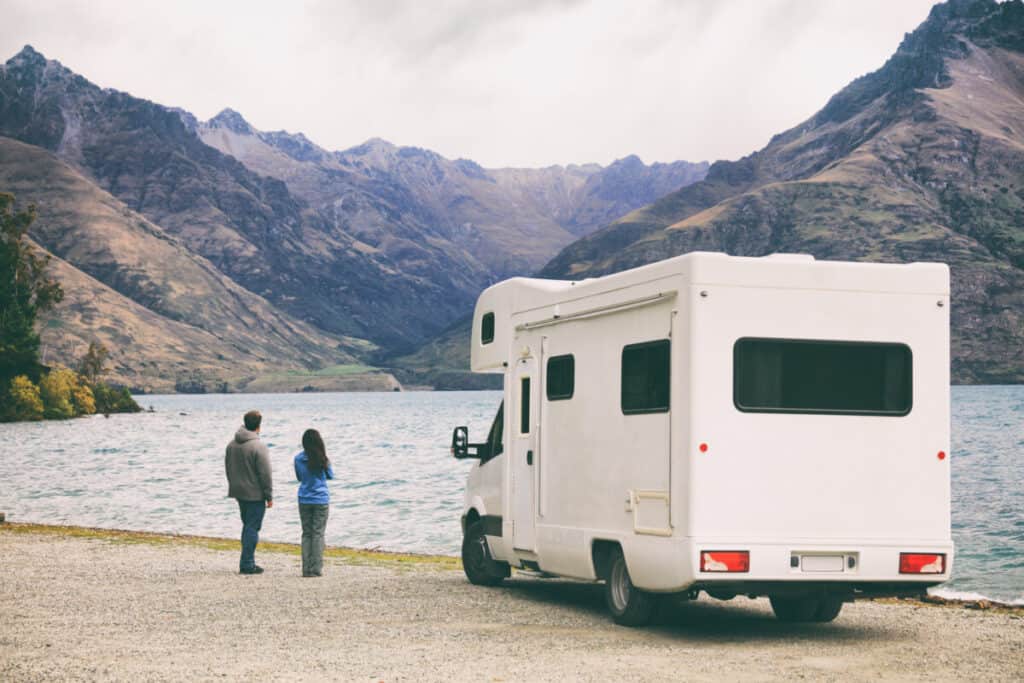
x=247, y=464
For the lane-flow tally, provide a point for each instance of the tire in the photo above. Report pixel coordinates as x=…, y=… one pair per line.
x=481, y=569
x=828, y=609
x=803, y=610
x=794, y=610
x=628, y=605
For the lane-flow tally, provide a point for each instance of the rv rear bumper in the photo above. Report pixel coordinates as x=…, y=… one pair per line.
x=861, y=566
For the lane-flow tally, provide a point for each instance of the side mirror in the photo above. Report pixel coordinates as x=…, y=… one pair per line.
x=460, y=442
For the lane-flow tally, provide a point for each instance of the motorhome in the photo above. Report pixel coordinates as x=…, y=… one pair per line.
x=774, y=426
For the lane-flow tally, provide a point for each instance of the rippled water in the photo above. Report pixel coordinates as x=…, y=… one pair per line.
x=988, y=492
x=397, y=486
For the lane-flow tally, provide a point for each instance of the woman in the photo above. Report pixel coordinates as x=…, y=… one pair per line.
x=313, y=469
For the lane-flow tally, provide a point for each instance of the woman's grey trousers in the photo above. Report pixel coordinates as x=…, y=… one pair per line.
x=314, y=522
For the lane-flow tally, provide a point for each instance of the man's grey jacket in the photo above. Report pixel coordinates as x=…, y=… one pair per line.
x=247, y=464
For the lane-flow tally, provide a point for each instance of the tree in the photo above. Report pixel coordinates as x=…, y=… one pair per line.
x=23, y=400
x=94, y=362
x=64, y=395
x=25, y=291
x=82, y=399
x=106, y=398
x=114, y=399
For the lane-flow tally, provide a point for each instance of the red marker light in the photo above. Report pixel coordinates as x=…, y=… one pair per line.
x=725, y=561
x=942, y=455
x=703, y=448
x=922, y=563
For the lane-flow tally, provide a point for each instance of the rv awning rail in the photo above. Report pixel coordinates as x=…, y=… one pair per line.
x=596, y=311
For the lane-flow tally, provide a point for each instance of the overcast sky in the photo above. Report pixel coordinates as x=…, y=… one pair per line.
x=514, y=83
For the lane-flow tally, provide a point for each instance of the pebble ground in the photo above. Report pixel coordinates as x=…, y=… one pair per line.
x=89, y=609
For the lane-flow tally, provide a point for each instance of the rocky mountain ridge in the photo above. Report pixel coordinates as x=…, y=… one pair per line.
x=510, y=221
x=922, y=159
x=334, y=254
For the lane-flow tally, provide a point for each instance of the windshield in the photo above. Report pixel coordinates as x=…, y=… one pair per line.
x=494, y=444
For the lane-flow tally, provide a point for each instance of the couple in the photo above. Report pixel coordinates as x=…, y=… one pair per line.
x=250, y=481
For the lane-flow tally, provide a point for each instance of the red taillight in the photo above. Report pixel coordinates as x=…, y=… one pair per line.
x=725, y=561
x=922, y=563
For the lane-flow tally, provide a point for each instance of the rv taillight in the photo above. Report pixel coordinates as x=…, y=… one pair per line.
x=725, y=561
x=922, y=563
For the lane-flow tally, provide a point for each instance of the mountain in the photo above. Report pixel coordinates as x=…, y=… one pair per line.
x=163, y=311
x=509, y=221
x=921, y=160
x=249, y=226
x=383, y=243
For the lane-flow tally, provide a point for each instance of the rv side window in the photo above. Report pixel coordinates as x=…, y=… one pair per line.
x=561, y=377
x=487, y=328
x=645, y=377
x=524, y=406
x=828, y=377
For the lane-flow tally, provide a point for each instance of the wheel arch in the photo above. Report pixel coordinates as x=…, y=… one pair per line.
x=602, y=550
x=471, y=516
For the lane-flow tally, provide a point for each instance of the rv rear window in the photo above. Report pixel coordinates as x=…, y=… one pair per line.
x=829, y=377
x=645, y=377
x=561, y=377
x=487, y=328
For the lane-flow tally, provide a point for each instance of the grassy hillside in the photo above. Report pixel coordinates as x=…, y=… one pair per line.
x=160, y=309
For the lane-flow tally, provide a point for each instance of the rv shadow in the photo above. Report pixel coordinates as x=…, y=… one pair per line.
x=706, y=619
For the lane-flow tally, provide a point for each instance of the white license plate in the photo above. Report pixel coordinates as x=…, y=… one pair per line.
x=822, y=563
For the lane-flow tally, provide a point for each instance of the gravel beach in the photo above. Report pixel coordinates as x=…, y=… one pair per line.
x=118, y=608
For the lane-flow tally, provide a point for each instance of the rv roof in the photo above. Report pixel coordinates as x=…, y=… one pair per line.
x=784, y=271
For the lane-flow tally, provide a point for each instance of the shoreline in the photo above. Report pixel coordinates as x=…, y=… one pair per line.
x=389, y=557
x=349, y=555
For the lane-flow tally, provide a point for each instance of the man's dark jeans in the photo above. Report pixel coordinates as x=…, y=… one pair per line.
x=252, y=512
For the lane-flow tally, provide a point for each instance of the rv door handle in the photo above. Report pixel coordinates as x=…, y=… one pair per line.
x=529, y=457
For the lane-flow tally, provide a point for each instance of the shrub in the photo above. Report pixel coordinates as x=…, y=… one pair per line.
x=24, y=402
x=82, y=399
x=55, y=390
x=110, y=399
x=65, y=395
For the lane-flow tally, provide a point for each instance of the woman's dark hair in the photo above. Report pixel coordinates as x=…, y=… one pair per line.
x=315, y=451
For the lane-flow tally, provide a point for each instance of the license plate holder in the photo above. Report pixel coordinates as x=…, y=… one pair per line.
x=822, y=563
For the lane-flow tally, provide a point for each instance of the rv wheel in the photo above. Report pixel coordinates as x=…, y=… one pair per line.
x=828, y=609
x=481, y=569
x=822, y=609
x=628, y=605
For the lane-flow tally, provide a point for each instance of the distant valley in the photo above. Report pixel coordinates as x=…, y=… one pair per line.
x=265, y=251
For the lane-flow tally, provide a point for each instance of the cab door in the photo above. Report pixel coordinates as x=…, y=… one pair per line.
x=524, y=442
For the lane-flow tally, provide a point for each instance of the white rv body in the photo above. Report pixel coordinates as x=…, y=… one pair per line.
x=829, y=498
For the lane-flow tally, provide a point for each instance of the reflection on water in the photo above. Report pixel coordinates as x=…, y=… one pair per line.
x=398, y=488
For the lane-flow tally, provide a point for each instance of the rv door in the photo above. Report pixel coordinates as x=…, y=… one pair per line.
x=524, y=453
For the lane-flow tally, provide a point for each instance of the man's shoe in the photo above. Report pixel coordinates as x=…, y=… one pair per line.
x=251, y=570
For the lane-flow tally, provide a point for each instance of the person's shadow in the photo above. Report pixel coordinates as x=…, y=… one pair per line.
x=739, y=619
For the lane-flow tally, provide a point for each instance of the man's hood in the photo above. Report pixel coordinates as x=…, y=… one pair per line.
x=243, y=435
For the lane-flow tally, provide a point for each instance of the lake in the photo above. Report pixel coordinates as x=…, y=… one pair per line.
x=398, y=488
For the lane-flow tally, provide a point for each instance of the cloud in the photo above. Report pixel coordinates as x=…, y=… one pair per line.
x=525, y=83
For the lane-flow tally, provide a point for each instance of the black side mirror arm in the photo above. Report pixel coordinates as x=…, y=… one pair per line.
x=462, y=448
